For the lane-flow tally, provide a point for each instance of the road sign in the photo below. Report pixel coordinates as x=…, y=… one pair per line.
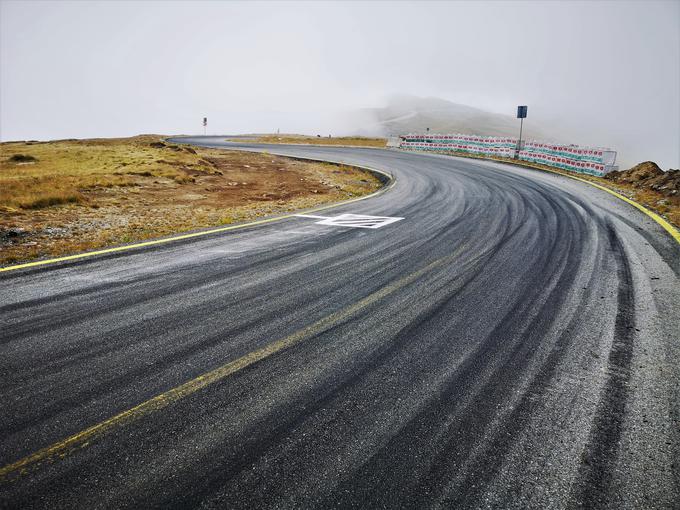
x=521, y=112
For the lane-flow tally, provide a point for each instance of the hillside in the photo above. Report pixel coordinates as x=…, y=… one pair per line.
x=408, y=114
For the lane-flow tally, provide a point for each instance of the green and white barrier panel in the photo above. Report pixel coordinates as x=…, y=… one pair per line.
x=589, y=160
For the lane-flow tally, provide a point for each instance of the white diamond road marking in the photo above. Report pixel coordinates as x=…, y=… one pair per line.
x=353, y=220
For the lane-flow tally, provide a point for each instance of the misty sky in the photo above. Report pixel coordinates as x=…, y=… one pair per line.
x=604, y=73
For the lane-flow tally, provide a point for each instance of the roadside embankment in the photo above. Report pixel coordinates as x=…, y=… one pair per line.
x=68, y=196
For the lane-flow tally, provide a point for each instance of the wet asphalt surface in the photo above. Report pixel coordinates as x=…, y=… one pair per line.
x=513, y=342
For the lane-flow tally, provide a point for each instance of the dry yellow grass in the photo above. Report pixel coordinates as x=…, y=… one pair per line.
x=64, y=170
x=86, y=194
x=354, y=141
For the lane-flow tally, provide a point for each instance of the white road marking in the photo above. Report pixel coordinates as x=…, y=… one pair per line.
x=353, y=220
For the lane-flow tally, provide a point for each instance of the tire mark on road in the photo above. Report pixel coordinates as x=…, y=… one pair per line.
x=599, y=456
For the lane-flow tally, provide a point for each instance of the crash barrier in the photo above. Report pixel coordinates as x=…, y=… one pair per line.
x=588, y=160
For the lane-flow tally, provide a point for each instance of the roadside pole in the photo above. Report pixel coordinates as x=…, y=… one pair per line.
x=521, y=115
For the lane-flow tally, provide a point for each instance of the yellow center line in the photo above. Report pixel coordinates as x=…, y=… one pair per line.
x=83, y=438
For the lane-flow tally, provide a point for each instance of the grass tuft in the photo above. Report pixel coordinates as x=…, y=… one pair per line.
x=51, y=200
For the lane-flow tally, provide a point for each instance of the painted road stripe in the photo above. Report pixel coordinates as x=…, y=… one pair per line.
x=353, y=220
x=85, y=437
x=675, y=234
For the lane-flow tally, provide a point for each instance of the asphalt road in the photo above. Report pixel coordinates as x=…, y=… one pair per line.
x=513, y=342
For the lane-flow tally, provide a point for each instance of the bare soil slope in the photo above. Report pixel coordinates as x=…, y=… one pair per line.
x=649, y=176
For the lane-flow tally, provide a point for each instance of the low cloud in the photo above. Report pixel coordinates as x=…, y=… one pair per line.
x=598, y=73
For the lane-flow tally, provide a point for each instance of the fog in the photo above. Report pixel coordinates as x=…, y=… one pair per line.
x=601, y=73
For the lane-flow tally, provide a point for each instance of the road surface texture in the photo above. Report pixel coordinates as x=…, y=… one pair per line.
x=512, y=342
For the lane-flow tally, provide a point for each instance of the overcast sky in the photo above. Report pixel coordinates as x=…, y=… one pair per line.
x=605, y=73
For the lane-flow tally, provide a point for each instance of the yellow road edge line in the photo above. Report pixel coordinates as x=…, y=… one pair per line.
x=675, y=234
x=82, y=438
x=180, y=237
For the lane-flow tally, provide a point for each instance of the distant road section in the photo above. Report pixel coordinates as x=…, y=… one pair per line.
x=342, y=141
x=478, y=336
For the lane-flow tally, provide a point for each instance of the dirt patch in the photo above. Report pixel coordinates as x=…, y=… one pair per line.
x=87, y=194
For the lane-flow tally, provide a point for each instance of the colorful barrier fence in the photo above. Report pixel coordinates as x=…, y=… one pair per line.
x=588, y=160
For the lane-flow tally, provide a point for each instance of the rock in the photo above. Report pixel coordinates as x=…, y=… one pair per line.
x=12, y=234
x=668, y=183
x=16, y=232
x=649, y=175
x=157, y=145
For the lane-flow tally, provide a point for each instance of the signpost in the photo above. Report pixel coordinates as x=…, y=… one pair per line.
x=521, y=114
x=205, y=125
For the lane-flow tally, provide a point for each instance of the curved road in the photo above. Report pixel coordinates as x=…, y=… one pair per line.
x=513, y=342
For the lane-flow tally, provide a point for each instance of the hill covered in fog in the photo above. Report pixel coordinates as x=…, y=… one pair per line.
x=412, y=114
